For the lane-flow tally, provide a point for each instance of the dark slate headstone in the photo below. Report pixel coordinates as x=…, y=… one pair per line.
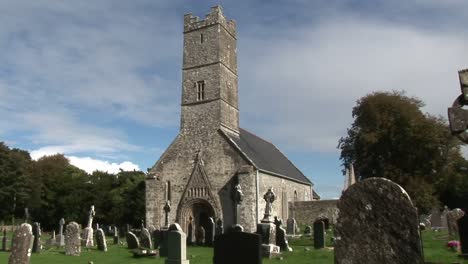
x=307, y=230
x=163, y=244
x=210, y=232
x=23, y=240
x=219, y=228
x=101, y=240
x=132, y=241
x=238, y=247
x=319, y=234
x=156, y=238
x=37, y=245
x=281, y=239
x=291, y=226
x=377, y=224
x=463, y=232
x=116, y=236
x=145, y=239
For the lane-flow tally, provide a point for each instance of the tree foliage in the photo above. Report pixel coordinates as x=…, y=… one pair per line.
x=391, y=137
x=52, y=188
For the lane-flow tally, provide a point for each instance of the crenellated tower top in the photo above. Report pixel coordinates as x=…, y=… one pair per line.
x=215, y=16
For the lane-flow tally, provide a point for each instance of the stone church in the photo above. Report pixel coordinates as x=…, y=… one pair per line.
x=212, y=156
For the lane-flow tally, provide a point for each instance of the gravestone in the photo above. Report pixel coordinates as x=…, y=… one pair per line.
x=219, y=228
x=319, y=234
x=281, y=240
x=266, y=229
x=200, y=236
x=436, y=218
x=190, y=233
x=60, y=239
x=72, y=239
x=228, y=246
x=307, y=230
x=377, y=224
x=163, y=244
x=177, y=253
x=4, y=241
x=452, y=218
x=52, y=240
x=88, y=236
x=101, y=240
x=145, y=239
x=443, y=218
x=23, y=240
x=463, y=232
x=210, y=232
x=156, y=238
x=37, y=245
x=116, y=236
x=132, y=241
x=291, y=226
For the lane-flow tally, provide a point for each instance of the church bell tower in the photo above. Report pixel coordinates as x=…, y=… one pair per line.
x=209, y=85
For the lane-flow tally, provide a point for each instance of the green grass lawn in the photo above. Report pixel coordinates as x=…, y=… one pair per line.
x=304, y=252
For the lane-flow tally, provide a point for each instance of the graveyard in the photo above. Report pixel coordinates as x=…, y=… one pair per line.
x=303, y=252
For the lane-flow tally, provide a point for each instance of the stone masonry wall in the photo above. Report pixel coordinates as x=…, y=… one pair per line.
x=285, y=190
x=305, y=213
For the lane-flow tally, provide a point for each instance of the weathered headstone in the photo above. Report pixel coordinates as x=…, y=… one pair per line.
x=452, y=218
x=37, y=245
x=463, y=232
x=219, y=228
x=101, y=240
x=228, y=246
x=266, y=229
x=210, y=232
x=52, y=240
x=307, y=230
x=116, y=236
x=72, y=239
x=291, y=226
x=319, y=234
x=443, y=218
x=4, y=241
x=60, y=238
x=200, y=236
x=88, y=236
x=177, y=253
x=377, y=224
x=132, y=241
x=145, y=239
x=436, y=220
x=23, y=240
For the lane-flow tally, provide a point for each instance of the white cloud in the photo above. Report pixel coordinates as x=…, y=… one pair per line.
x=300, y=87
x=89, y=165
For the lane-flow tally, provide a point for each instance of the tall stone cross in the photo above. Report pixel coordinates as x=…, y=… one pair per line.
x=92, y=213
x=167, y=209
x=458, y=117
x=237, y=199
x=269, y=198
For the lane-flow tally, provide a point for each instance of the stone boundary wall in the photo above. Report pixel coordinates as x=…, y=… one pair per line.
x=305, y=212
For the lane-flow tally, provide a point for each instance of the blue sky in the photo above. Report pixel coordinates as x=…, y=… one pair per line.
x=100, y=81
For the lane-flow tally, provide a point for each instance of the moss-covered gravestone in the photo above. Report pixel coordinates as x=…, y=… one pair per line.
x=73, y=239
x=132, y=241
x=377, y=224
x=101, y=240
x=23, y=240
x=319, y=234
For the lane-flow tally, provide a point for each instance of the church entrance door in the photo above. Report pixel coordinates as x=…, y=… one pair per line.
x=194, y=214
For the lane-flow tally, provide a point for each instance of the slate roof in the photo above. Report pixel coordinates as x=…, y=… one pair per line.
x=266, y=156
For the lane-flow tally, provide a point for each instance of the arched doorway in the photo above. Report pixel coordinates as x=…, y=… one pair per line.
x=194, y=213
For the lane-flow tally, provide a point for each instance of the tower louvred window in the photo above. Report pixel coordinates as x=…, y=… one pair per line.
x=200, y=90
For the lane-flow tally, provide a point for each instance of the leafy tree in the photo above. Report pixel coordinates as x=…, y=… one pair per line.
x=391, y=137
